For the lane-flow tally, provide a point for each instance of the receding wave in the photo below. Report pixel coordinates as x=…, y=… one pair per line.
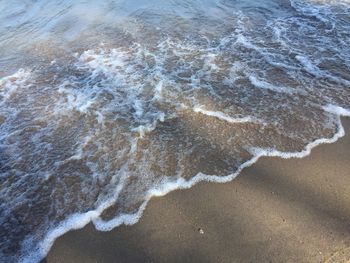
x=104, y=105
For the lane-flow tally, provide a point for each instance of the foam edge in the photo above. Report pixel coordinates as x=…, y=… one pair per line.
x=79, y=221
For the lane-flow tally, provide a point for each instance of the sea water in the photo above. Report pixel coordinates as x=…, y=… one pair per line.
x=104, y=104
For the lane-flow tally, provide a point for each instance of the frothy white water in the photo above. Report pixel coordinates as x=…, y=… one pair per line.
x=264, y=85
x=80, y=220
x=9, y=85
x=178, y=93
x=223, y=116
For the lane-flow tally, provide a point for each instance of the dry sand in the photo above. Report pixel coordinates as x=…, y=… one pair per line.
x=295, y=210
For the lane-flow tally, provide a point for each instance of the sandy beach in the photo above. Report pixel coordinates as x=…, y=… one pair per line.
x=278, y=210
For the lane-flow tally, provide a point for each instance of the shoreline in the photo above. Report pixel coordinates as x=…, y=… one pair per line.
x=59, y=248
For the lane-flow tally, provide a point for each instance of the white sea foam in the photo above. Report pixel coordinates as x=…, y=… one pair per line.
x=222, y=116
x=144, y=129
x=337, y=110
x=80, y=220
x=76, y=221
x=265, y=85
x=241, y=39
x=158, y=90
x=10, y=84
x=308, y=66
x=314, y=70
x=101, y=112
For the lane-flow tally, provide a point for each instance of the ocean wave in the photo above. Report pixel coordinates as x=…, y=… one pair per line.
x=90, y=132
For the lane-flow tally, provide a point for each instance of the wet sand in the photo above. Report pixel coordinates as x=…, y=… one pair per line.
x=295, y=210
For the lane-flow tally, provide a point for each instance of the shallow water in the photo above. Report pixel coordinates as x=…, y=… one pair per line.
x=103, y=105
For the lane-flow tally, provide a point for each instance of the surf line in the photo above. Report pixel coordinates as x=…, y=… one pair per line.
x=77, y=221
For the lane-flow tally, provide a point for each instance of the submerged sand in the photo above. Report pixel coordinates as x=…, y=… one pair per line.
x=278, y=210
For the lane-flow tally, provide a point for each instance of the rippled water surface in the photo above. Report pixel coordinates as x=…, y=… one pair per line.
x=106, y=103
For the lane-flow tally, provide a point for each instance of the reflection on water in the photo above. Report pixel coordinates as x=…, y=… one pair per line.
x=104, y=104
